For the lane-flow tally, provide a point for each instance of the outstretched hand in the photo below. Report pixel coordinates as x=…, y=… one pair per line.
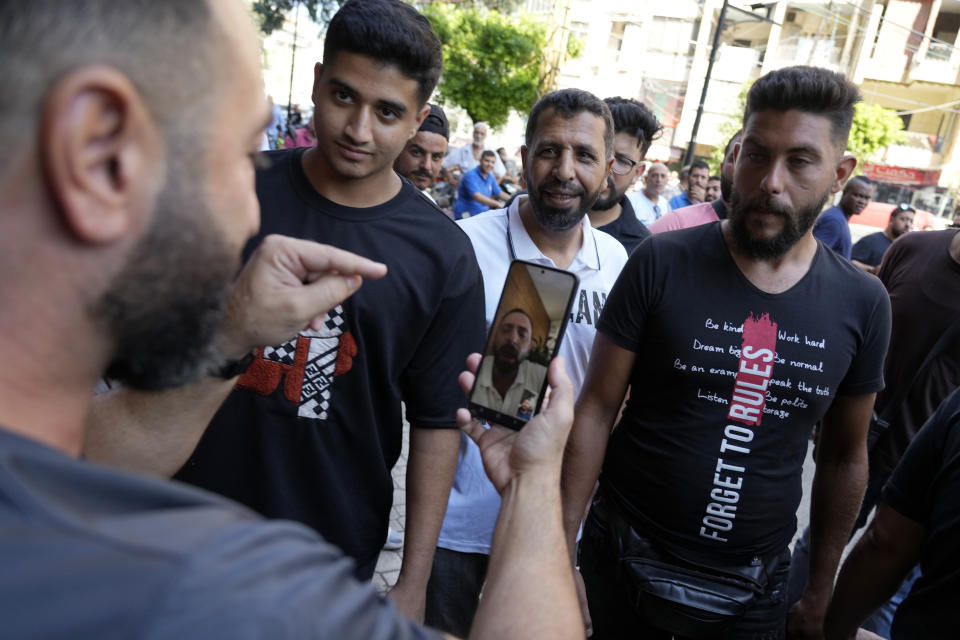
x=287, y=285
x=539, y=445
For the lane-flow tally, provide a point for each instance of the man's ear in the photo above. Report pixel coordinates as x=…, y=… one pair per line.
x=317, y=72
x=523, y=156
x=99, y=151
x=844, y=170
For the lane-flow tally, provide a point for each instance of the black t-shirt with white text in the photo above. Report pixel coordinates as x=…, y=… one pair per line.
x=314, y=427
x=727, y=384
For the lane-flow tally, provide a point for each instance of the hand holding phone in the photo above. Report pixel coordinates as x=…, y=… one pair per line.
x=508, y=452
x=524, y=337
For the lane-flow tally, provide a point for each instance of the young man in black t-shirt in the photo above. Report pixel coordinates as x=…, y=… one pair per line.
x=735, y=338
x=314, y=428
x=613, y=213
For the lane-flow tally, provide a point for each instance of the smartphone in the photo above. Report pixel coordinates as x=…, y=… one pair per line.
x=524, y=337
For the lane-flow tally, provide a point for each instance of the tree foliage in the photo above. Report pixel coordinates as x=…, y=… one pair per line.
x=874, y=127
x=491, y=62
x=272, y=13
x=726, y=129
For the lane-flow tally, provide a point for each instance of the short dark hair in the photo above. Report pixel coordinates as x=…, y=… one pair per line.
x=864, y=180
x=713, y=178
x=517, y=310
x=168, y=50
x=900, y=208
x=487, y=153
x=699, y=164
x=808, y=89
x=635, y=119
x=391, y=32
x=569, y=103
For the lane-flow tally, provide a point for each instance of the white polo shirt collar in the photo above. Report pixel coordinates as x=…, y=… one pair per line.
x=522, y=247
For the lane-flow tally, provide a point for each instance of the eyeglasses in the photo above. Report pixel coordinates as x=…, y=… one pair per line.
x=904, y=207
x=622, y=166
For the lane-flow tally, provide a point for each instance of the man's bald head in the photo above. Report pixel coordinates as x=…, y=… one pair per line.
x=116, y=187
x=168, y=49
x=655, y=179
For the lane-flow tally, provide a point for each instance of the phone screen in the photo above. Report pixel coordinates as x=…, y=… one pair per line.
x=523, y=339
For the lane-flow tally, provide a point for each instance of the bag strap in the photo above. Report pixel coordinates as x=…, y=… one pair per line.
x=939, y=346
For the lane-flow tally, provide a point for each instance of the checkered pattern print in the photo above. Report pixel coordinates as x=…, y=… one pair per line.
x=321, y=363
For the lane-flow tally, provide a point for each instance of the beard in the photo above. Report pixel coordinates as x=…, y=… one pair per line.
x=795, y=225
x=612, y=200
x=165, y=309
x=506, y=359
x=726, y=189
x=556, y=218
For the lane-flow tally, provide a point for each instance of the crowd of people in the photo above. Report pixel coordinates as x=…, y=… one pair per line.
x=210, y=353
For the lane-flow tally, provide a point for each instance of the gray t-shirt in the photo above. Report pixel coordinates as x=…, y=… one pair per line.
x=90, y=552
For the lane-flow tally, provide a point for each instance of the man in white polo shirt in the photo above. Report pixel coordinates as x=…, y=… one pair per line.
x=566, y=161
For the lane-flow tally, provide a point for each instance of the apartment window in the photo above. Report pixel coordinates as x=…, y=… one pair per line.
x=669, y=35
x=616, y=37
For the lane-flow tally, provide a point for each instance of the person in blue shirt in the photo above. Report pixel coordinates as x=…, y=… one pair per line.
x=696, y=186
x=833, y=226
x=478, y=190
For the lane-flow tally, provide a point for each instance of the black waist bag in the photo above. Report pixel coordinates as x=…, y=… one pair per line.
x=682, y=597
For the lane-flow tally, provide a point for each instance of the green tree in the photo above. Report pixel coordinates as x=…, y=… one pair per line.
x=272, y=13
x=874, y=127
x=491, y=62
x=732, y=124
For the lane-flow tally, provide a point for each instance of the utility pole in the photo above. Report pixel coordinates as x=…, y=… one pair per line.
x=688, y=158
x=293, y=59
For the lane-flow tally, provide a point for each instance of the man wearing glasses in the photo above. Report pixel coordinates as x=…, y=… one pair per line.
x=635, y=128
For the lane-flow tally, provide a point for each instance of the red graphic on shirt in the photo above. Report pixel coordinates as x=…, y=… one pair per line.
x=756, y=368
x=308, y=365
x=264, y=375
x=345, y=354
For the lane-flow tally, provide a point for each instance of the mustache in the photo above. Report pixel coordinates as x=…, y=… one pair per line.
x=421, y=173
x=508, y=350
x=568, y=186
x=764, y=204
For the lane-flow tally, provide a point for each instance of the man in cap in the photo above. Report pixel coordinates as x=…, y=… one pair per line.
x=421, y=160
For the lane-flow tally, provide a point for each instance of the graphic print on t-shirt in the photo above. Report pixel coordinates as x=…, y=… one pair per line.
x=587, y=306
x=308, y=364
x=749, y=398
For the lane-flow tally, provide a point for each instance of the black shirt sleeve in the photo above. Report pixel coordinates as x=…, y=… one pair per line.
x=865, y=374
x=909, y=489
x=429, y=383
